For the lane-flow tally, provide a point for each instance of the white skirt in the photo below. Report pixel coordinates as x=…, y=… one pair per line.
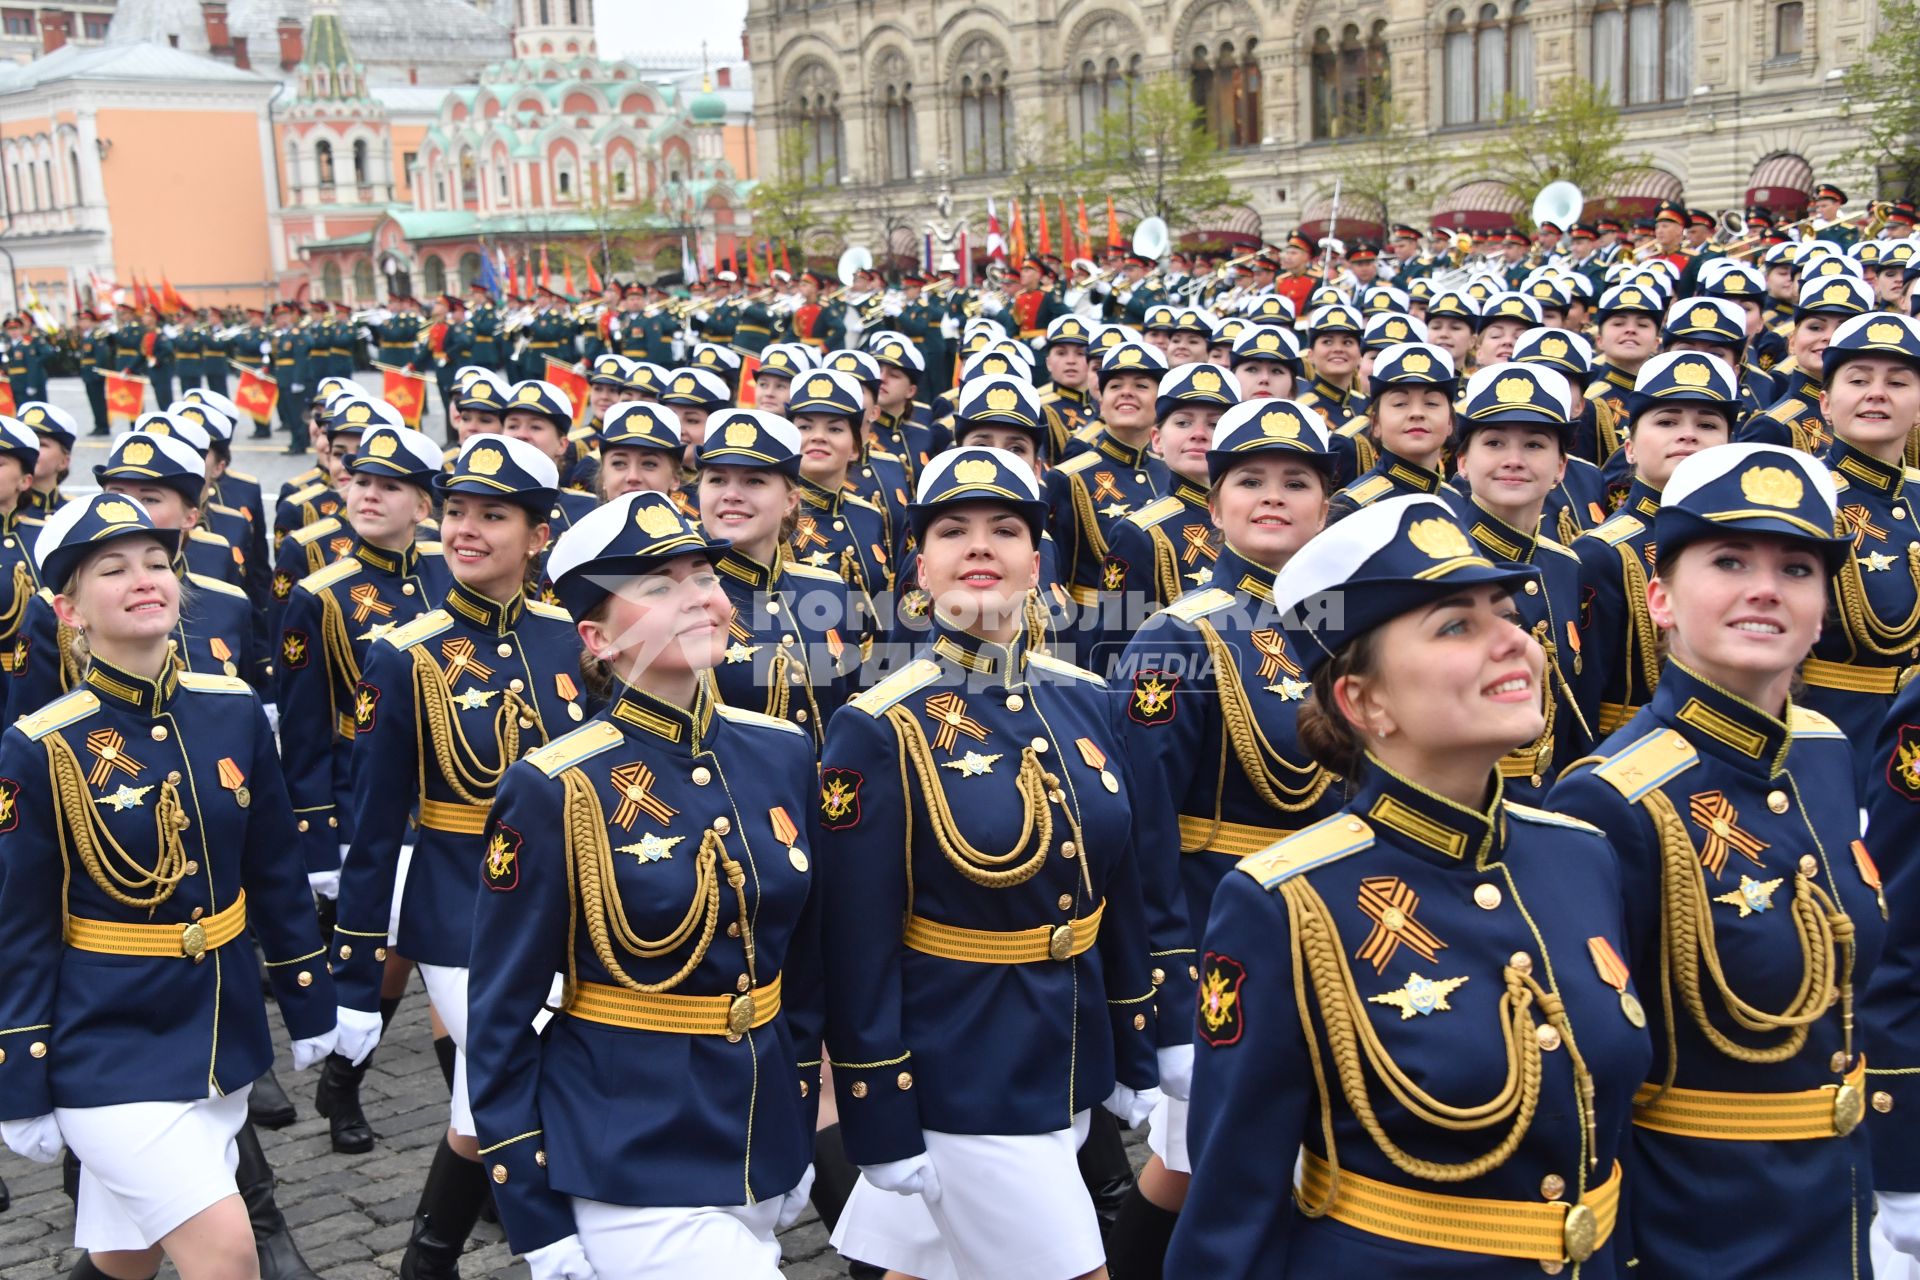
x=1011, y=1207
x=447, y=989
x=147, y=1167
x=1167, y=1134
x=625, y=1243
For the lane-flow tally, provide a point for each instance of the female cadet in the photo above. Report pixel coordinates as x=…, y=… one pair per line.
x=1413, y=385
x=1215, y=689
x=542, y=415
x=970, y=1046
x=639, y=449
x=836, y=529
x=1425, y=988
x=793, y=642
x=1753, y=913
x=1872, y=402
x=384, y=581
x=448, y=702
x=144, y=828
x=660, y=859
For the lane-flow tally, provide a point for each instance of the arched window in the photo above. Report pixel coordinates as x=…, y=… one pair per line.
x=73, y=167
x=323, y=159
x=1350, y=81
x=435, y=273
x=469, y=180
x=563, y=177
x=546, y=13
x=817, y=108
x=330, y=281
x=1789, y=29
x=1490, y=55
x=982, y=87
x=363, y=281
x=1107, y=77
x=360, y=163
x=469, y=270
x=622, y=170
x=1643, y=50
x=1225, y=84
x=1486, y=63
x=903, y=148
x=505, y=184
x=293, y=168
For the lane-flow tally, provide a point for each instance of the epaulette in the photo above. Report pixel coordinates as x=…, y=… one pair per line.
x=45, y=593
x=584, y=743
x=208, y=682
x=204, y=583
x=226, y=510
x=883, y=455
x=1059, y=666
x=1325, y=841
x=740, y=715
x=1361, y=492
x=541, y=609
x=1598, y=389
x=915, y=675
x=854, y=499
x=1912, y=473
x=799, y=570
x=429, y=548
x=1547, y=818
x=35, y=521
x=1616, y=528
x=1841, y=484
x=426, y=626
x=1155, y=512
x=1647, y=764
x=1198, y=604
x=1785, y=410
x=1544, y=543
x=1805, y=722
x=1079, y=462
x=307, y=535
x=59, y=713
x=243, y=477
x=308, y=494
x=1088, y=432
x=320, y=579
x=208, y=536
x=1355, y=427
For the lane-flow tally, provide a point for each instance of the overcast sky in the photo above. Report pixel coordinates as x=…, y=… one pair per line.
x=630, y=27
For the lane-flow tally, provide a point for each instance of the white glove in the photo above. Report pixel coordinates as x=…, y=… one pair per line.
x=913, y=1176
x=1176, y=1071
x=794, y=1203
x=949, y=328
x=992, y=306
x=1132, y=1107
x=37, y=1139
x=314, y=1048
x=893, y=306
x=564, y=1259
x=298, y=387
x=1898, y=1218
x=325, y=884
x=357, y=1034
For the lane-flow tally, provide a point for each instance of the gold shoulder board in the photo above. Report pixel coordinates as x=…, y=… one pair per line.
x=740, y=715
x=1154, y=512
x=1198, y=604
x=310, y=534
x=202, y=582
x=1323, y=842
x=1648, y=764
x=563, y=753
x=428, y=624
x=339, y=571
x=207, y=682
x=1548, y=818
x=914, y=675
x=1365, y=491
x=59, y=713
x=1047, y=662
x=1805, y=722
x=1617, y=529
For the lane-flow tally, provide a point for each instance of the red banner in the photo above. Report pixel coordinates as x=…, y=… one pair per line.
x=405, y=390
x=126, y=396
x=257, y=393
x=569, y=379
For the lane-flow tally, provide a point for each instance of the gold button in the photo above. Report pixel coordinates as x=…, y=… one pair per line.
x=380, y=954
x=1809, y=867
x=702, y=775
x=1532, y=587
x=1553, y=1268
x=3, y=1057
x=773, y=606
x=1537, y=780
x=859, y=1089
x=192, y=867
x=839, y=525
x=302, y=824
x=1548, y=1036
x=499, y=1170
x=1066, y=902
x=1354, y=824
x=333, y=820
x=505, y=650
x=1139, y=1022
x=346, y=951
x=1487, y=896
x=1067, y=849
x=540, y=1158
x=1015, y=702
x=525, y=723
x=1899, y=513
x=1882, y=1101
x=37, y=1049
x=196, y=913
x=173, y=776
x=903, y=1081
x=722, y=825
x=787, y=638
x=1193, y=973
x=733, y=930
x=303, y=978
x=1838, y=1063
x=1057, y=796
x=1159, y=976
x=803, y=1088
x=742, y=983
x=1521, y=962
x=159, y=733
x=1039, y=746
x=1139, y=477
x=1777, y=801
x=800, y=713
x=1553, y=1186
x=516, y=684
x=406, y=589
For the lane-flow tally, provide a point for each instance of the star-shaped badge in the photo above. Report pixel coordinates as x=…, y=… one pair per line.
x=652, y=848
x=1291, y=690
x=126, y=798
x=1752, y=895
x=1876, y=562
x=737, y=653
x=1424, y=996
x=972, y=764
x=820, y=559
x=1114, y=510
x=1200, y=577
x=474, y=699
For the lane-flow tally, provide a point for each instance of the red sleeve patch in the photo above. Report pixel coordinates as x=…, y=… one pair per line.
x=1903, y=767
x=840, y=799
x=294, y=646
x=366, y=701
x=1152, y=701
x=501, y=868
x=1222, y=1019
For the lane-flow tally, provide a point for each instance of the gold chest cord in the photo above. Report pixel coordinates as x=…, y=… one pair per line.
x=1289, y=788
x=1864, y=625
x=470, y=777
x=108, y=865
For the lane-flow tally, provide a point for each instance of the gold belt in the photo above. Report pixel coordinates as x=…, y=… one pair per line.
x=1018, y=946
x=1827, y=1112
x=1238, y=839
x=731, y=1016
x=1083, y=595
x=191, y=941
x=460, y=819
x=1544, y=1231
x=1852, y=677
x=1614, y=714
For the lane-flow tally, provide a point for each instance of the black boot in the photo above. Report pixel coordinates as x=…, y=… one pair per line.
x=1106, y=1171
x=1138, y=1249
x=326, y=910
x=449, y=1203
x=268, y=1106
x=833, y=1176
x=279, y=1256
x=70, y=1175
x=6, y=1196
x=85, y=1270
x=443, y=1052
x=338, y=1099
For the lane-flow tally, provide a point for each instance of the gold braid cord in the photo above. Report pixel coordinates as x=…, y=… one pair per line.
x=470, y=776
x=22, y=592
x=1536, y=755
x=1642, y=635
x=1038, y=622
x=1865, y=626
x=333, y=630
x=1089, y=522
x=594, y=897
x=1036, y=787
x=1282, y=785
x=1320, y=964
x=64, y=639
x=1687, y=940
x=1166, y=566
x=108, y=865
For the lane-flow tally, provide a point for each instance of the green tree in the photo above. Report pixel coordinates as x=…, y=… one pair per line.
x=1384, y=168
x=620, y=229
x=1885, y=91
x=1575, y=136
x=1159, y=160
x=785, y=203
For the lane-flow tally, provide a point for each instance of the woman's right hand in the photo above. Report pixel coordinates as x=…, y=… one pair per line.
x=914, y=1176
x=358, y=1034
x=37, y=1139
x=564, y=1259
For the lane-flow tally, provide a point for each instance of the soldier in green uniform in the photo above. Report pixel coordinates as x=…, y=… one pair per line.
x=550, y=334
x=187, y=369
x=287, y=350
x=484, y=321
x=1827, y=202
x=93, y=351
x=397, y=338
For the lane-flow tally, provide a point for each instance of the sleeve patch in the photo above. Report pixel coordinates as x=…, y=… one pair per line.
x=1903, y=767
x=366, y=701
x=1152, y=700
x=1222, y=1020
x=9, y=805
x=501, y=869
x=840, y=799
x=282, y=585
x=294, y=647
x=1113, y=573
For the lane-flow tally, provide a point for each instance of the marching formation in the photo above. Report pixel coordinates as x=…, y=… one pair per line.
x=1427, y=736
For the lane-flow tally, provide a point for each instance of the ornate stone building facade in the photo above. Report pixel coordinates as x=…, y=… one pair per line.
x=1726, y=99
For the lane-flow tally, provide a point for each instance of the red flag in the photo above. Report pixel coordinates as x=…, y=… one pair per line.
x=1114, y=242
x=749, y=366
x=593, y=278
x=126, y=394
x=6, y=399
x=257, y=393
x=569, y=379
x=1046, y=238
x=1016, y=240
x=783, y=259
x=139, y=295
x=174, y=301
x=1066, y=231
x=566, y=278
x=404, y=389
x=753, y=268
x=1086, y=238
x=546, y=270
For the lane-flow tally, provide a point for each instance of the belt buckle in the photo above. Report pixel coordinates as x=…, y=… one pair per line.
x=739, y=1016
x=1580, y=1234
x=193, y=941
x=1060, y=942
x=1848, y=1108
